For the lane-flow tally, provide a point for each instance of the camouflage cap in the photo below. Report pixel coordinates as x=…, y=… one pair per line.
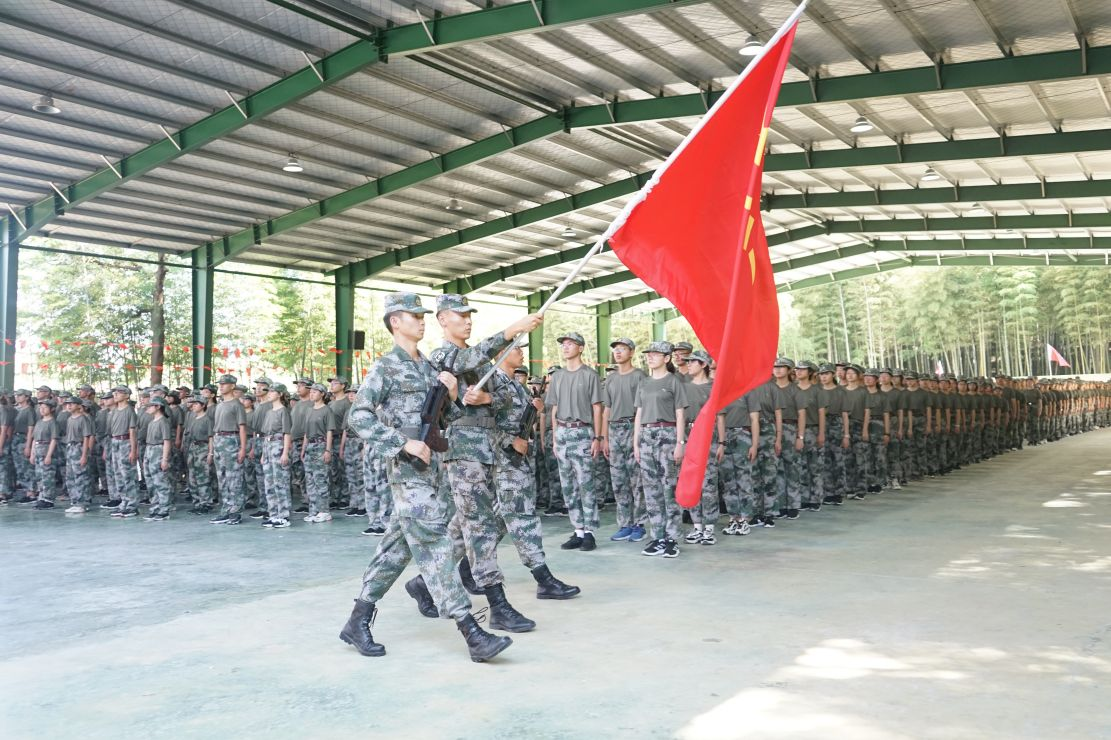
x=407, y=302
x=86, y=404
x=211, y=388
x=279, y=387
x=225, y=378
x=886, y=370
x=85, y=387
x=454, y=302
x=700, y=355
x=682, y=346
x=241, y=388
x=46, y=388
x=263, y=381
x=47, y=402
x=159, y=387
x=552, y=369
x=118, y=389
x=899, y=372
x=249, y=396
x=783, y=362
x=841, y=364
x=320, y=387
x=157, y=401
x=625, y=341
x=304, y=381
x=70, y=399
x=196, y=399
x=21, y=392
x=536, y=380
x=574, y=336
x=106, y=396
x=855, y=368
x=520, y=371
x=827, y=367
x=663, y=348
x=338, y=379
x=910, y=375
x=874, y=372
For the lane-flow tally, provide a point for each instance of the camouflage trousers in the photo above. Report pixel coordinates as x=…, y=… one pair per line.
x=25, y=476
x=99, y=469
x=275, y=478
x=514, y=508
x=602, y=485
x=229, y=472
x=895, y=469
x=790, y=470
x=179, y=469
x=875, y=456
x=7, y=471
x=337, y=482
x=551, y=472
x=158, y=481
x=472, y=490
x=123, y=473
x=834, y=458
x=658, y=474
x=377, y=496
x=316, y=476
x=418, y=531
x=252, y=473
x=735, y=472
x=856, y=463
x=916, y=450
x=297, y=470
x=576, y=476
x=707, y=510
x=79, y=480
x=764, y=491
x=625, y=475
x=200, y=482
x=813, y=478
x=44, y=473
x=353, y=485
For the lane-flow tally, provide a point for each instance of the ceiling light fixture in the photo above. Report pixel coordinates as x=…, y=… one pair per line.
x=930, y=175
x=861, y=126
x=568, y=233
x=292, y=165
x=752, y=47
x=453, y=205
x=46, y=105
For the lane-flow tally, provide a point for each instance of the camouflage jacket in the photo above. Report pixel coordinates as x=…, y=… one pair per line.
x=389, y=401
x=472, y=436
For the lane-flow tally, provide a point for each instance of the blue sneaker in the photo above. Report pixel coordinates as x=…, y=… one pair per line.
x=638, y=534
x=622, y=534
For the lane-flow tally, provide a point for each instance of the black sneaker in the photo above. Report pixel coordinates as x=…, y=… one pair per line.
x=360, y=512
x=25, y=500
x=815, y=507
x=369, y=531
x=156, y=517
x=555, y=511
x=43, y=504
x=353, y=512
x=301, y=510
x=260, y=514
x=267, y=523
x=783, y=512
x=655, y=547
x=671, y=549
x=574, y=542
x=234, y=519
x=220, y=519
x=792, y=513
x=113, y=503
x=769, y=522
x=588, y=543
x=129, y=513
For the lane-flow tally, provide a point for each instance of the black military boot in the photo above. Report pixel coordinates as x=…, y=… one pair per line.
x=502, y=614
x=550, y=587
x=417, y=588
x=481, y=644
x=467, y=577
x=357, y=630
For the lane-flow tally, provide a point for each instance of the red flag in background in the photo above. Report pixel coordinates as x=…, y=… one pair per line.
x=696, y=237
x=1052, y=355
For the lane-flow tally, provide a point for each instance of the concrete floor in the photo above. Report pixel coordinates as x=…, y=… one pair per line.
x=972, y=606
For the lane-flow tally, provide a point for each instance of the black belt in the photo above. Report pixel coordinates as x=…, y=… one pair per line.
x=573, y=424
x=227, y=434
x=275, y=437
x=628, y=420
x=121, y=436
x=316, y=439
x=659, y=424
x=199, y=442
x=484, y=422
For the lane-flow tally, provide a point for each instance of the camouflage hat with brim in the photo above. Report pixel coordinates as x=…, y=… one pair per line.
x=241, y=388
x=624, y=341
x=157, y=401
x=453, y=302
x=783, y=362
x=662, y=348
x=45, y=389
x=196, y=399
x=263, y=381
x=700, y=355
x=159, y=387
x=574, y=336
x=279, y=387
x=47, y=402
x=85, y=387
x=826, y=367
x=407, y=302
x=520, y=371
x=536, y=380
x=249, y=396
x=873, y=371
x=304, y=381
x=682, y=347
x=899, y=372
x=855, y=368
x=338, y=379
x=910, y=375
x=227, y=379
x=106, y=396
x=885, y=371
x=21, y=392
x=211, y=388
x=122, y=389
x=319, y=387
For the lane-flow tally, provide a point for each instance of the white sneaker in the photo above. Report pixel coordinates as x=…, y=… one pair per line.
x=743, y=528
x=279, y=523
x=694, y=536
x=76, y=509
x=322, y=516
x=895, y=486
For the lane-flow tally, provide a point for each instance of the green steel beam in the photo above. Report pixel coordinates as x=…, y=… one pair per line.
x=603, y=325
x=203, y=276
x=435, y=33
x=9, y=305
x=345, y=322
x=692, y=105
x=536, y=340
x=659, y=325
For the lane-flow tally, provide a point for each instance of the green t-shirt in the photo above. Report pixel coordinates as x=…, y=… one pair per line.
x=658, y=398
x=620, y=393
x=574, y=393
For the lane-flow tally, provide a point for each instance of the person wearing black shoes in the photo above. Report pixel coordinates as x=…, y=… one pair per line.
x=876, y=431
x=44, y=450
x=659, y=435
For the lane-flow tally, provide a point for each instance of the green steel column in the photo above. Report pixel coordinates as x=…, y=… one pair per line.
x=9, y=285
x=536, y=338
x=345, y=322
x=659, y=325
x=604, y=326
x=203, y=274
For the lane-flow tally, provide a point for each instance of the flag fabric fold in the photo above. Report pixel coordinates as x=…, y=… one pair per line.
x=696, y=237
x=1052, y=355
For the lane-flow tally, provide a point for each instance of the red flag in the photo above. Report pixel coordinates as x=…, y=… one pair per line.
x=1052, y=355
x=697, y=238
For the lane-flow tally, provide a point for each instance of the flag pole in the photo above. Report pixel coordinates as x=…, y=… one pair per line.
x=641, y=194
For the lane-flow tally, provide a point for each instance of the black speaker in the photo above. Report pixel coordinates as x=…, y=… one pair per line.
x=358, y=339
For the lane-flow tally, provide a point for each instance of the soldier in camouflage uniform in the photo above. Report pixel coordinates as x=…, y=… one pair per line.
x=856, y=461
x=396, y=386
x=316, y=454
x=351, y=451
x=704, y=514
x=811, y=470
x=789, y=460
x=470, y=455
x=156, y=451
x=341, y=492
x=916, y=406
x=25, y=418
x=742, y=425
x=876, y=432
x=79, y=440
x=617, y=427
x=197, y=442
x=44, y=450
x=377, y=497
x=123, y=453
x=834, y=440
x=229, y=449
x=769, y=399
x=276, y=442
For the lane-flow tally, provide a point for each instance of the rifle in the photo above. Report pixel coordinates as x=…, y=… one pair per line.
x=528, y=421
x=431, y=412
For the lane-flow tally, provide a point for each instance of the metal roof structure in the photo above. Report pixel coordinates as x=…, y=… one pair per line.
x=479, y=144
